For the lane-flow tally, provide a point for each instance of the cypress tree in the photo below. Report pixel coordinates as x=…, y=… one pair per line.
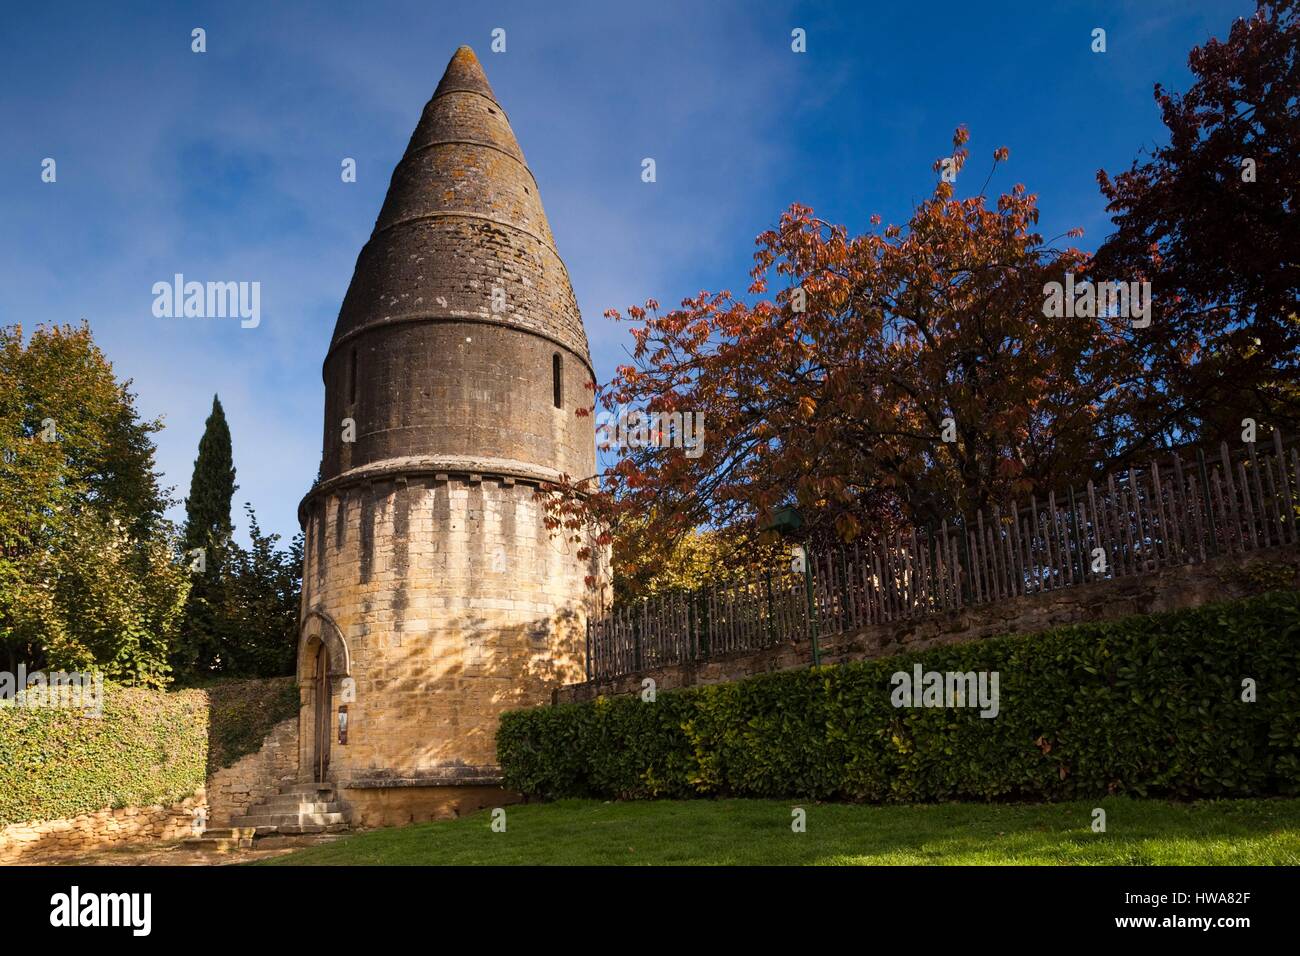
x=212, y=487
x=201, y=648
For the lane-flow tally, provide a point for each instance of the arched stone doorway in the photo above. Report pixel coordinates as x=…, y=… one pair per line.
x=324, y=663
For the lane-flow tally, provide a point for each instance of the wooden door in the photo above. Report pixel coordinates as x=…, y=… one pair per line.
x=323, y=701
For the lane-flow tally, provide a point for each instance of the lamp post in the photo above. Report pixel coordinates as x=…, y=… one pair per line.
x=788, y=522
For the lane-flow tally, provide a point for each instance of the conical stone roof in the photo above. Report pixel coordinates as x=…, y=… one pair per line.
x=462, y=217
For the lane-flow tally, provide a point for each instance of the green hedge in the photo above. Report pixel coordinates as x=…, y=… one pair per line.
x=1144, y=705
x=150, y=746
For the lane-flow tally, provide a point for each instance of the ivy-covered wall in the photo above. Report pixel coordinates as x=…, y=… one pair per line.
x=242, y=713
x=149, y=746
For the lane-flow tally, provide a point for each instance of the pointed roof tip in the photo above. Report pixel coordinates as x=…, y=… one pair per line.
x=464, y=73
x=463, y=164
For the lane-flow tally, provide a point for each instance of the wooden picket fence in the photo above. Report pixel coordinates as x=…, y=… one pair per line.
x=1171, y=512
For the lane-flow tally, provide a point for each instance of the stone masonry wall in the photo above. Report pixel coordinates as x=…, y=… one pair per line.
x=1165, y=590
x=104, y=829
x=456, y=389
x=256, y=776
x=398, y=806
x=455, y=603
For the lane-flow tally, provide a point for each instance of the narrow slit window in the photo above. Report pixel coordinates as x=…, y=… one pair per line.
x=557, y=372
x=352, y=379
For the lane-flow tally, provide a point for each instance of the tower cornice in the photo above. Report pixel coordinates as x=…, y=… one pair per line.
x=467, y=468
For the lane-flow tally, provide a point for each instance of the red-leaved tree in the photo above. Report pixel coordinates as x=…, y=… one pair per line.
x=1211, y=220
x=904, y=375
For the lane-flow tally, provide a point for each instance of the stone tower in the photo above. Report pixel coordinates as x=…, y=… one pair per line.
x=433, y=595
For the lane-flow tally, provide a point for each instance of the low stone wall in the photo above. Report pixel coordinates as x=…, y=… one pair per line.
x=392, y=806
x=101, y=830
x=1167, y=589
x=251, y=779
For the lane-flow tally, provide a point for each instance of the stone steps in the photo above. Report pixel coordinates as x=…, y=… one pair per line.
x=299, y=811
x=291, y=829
x=222, y=840
x=264, y=818
x=294, y=804
x=308, y=788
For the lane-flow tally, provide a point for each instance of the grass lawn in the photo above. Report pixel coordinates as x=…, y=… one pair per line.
x=1138, y=832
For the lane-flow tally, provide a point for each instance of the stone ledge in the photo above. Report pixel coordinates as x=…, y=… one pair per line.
x=436, y=777
x=439, y=467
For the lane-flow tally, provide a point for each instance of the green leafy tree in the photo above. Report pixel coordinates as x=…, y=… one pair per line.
x=86, y=572
x=103, y=599
x=260, y=613
x=649, y=564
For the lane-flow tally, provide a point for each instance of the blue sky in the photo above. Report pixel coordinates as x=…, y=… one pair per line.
x=225, y=165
